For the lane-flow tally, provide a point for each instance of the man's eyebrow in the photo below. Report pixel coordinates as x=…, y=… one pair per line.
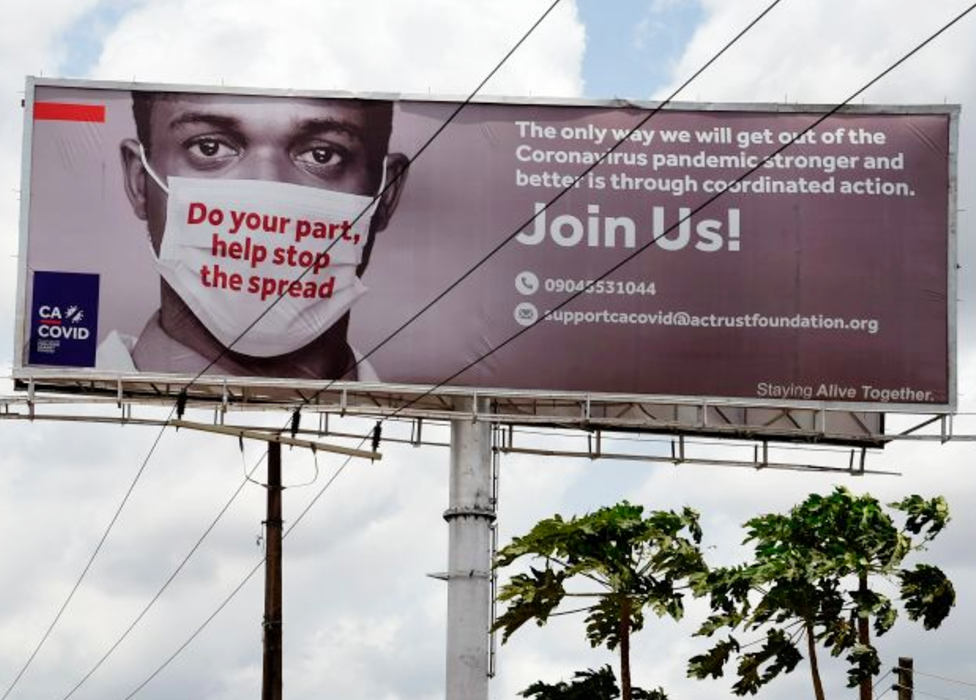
x=324, y=125
x=218, y=121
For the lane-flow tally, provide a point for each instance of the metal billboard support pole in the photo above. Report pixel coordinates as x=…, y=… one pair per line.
x=469, y=517
x=271, y=688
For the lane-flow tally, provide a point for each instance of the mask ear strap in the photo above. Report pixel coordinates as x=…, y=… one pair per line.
x=379, y=192
x=155, y=178
x=164, y=188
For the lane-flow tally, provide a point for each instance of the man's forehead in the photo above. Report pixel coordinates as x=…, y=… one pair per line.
x=172, y=109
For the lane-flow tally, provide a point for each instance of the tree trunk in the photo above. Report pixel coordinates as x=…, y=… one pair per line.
x=864, y=637
x=814, y=668
x=625, y=688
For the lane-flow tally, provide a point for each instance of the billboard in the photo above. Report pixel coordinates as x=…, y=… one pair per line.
x=247, y=235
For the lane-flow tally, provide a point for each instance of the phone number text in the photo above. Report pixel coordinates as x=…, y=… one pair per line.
x=626, y=288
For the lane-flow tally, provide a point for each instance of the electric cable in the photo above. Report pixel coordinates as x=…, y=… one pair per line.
x=921, y=692
x=691, y=213
x=392, y=416
x=247, y=474
x=379, y=195
x=172, y=577
x=91, y=560
x=183, y=395
x=181, y=400
x=450, y=288
x=599, y=161
x=237, y=589
x=879, y=681
x=937, y=677
x=569, y=299
x=305, y=484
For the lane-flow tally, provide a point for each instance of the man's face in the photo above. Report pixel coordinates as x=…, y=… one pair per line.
x=315, y=143
x=328, y=144
x=308, y=142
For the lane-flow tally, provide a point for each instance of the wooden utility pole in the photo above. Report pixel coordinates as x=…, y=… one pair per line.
x=906, y=678
x=272, y=684
x=271, y=687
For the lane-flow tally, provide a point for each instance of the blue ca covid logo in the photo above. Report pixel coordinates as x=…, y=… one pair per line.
x=58, y=324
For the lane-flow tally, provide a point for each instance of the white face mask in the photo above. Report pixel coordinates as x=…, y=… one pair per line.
x=232, y=247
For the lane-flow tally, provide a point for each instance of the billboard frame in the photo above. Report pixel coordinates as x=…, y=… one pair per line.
x=95, y=382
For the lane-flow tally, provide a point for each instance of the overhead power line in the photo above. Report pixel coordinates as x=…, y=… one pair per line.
x=379, y=195
x=559, y=195
x=937, y=677
x=880, y=680
x=91, y=560
x=916, y=691
x=308, y=507
x=181, y=401
x=568, y=300
x=138, y=618
x=237, y=589
x=691, y=213
x=870, y=83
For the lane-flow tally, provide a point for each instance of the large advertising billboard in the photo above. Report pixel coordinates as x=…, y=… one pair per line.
x=179, y=231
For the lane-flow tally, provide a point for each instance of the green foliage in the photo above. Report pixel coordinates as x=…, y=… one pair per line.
x=928, y=594
x=931, y=515
x=645, y=559
x=712, y=663
x=778, y=653
x=538, y=594
x=794, y=585
x=588, y=685
x=863, y=662
x=628, y=561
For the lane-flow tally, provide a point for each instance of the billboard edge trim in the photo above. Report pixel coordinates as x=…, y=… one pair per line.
x=611, y=103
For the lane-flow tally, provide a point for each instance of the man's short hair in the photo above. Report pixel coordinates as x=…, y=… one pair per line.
x=378, y=120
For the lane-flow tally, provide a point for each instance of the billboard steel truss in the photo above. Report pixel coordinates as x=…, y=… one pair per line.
x=780, y=442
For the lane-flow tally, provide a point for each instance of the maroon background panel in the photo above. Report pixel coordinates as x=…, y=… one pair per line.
x=822, y=275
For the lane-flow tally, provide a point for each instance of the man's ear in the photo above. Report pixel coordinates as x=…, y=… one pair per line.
x=134, y=177
x=396, y=176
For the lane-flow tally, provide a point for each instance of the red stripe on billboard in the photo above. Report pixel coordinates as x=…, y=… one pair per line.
x=68, y=112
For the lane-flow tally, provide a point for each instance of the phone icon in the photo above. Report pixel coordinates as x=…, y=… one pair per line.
x=526, y=283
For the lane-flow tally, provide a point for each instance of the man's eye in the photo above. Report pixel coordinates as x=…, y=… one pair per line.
x=210, y=148
x=322, y=156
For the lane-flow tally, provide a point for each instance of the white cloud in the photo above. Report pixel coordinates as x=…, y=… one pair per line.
x=809, y=51
x=384, y=45
x=362, y=619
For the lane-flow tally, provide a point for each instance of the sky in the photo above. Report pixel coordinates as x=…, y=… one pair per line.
x=362, y=618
